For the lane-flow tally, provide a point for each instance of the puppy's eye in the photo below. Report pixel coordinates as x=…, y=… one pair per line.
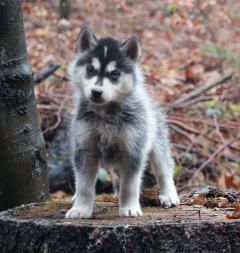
x=90, y=69
x=115, y=74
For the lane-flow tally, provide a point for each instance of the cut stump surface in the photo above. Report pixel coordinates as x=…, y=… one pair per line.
x=43, y=228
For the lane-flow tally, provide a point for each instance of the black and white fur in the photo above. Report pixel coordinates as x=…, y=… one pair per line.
x=116, y=125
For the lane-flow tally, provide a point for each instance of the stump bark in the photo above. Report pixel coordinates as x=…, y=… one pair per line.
x=43, y=228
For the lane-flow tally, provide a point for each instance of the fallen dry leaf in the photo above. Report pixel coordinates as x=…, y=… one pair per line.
x=59, y=195
x=235, y=214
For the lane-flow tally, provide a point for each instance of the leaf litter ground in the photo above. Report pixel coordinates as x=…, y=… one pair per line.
x=185, y=45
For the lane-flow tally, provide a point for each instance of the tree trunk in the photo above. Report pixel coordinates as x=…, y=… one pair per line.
x=65, y=9
x=23, y=167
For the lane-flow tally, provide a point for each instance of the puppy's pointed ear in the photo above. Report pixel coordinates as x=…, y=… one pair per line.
x=86, y=40
x=131, y=48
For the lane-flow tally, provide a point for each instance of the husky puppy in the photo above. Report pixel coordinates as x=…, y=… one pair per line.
x=116, y=125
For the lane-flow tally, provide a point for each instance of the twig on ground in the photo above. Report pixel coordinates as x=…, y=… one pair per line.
x=45, y=73
x=194, y=101
x=231, y=125
x=201, y=90
x=230, y=157
x=217, y=129
x=186, y=135
x=180, y=131
x=219, y=142
x=186, y=149
x=58, y=117
x=199, y=100
x=49, y=99
x=182, y=125
x=220, y=149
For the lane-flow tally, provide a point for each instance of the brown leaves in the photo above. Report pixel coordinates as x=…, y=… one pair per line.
x=60, y=195
x=212, y=197
x=171, y=34
x=41, y=32
x=227, y=180
x=106, y=198
x=235, y=214
x=93, y=5
x=194, y=72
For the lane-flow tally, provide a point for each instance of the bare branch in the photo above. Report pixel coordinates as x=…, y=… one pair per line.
x=220, y=149
x=230, y=125
x=45, y=72
x=201, y=90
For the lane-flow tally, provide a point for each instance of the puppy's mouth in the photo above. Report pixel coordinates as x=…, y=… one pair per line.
x=97, y=101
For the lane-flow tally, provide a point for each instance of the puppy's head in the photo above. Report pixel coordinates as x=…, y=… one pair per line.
x=105, y=69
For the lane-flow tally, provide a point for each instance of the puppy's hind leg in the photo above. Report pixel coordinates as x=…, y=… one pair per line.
x=85, y=179
x=162, y=165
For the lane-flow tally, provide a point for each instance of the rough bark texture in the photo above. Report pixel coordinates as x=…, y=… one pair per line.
x=65, y=9
x=23, y=167
x=42, y=228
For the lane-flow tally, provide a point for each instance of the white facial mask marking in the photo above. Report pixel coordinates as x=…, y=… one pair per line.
x=111, y=92
x=96, y=63
x=105, y=51
x=111, y=66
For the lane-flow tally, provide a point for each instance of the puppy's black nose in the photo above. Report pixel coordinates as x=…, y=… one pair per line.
x=96, y=93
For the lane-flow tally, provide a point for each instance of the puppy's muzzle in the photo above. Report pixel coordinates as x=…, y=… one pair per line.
x=96, y=95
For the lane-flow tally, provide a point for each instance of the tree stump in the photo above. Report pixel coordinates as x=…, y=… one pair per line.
x=43, y=228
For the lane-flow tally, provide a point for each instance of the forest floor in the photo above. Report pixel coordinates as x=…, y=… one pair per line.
x=186, y=45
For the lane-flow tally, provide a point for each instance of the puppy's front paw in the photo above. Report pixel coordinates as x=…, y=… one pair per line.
x=78, y=213
x=169, y=199
x=130, y=211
